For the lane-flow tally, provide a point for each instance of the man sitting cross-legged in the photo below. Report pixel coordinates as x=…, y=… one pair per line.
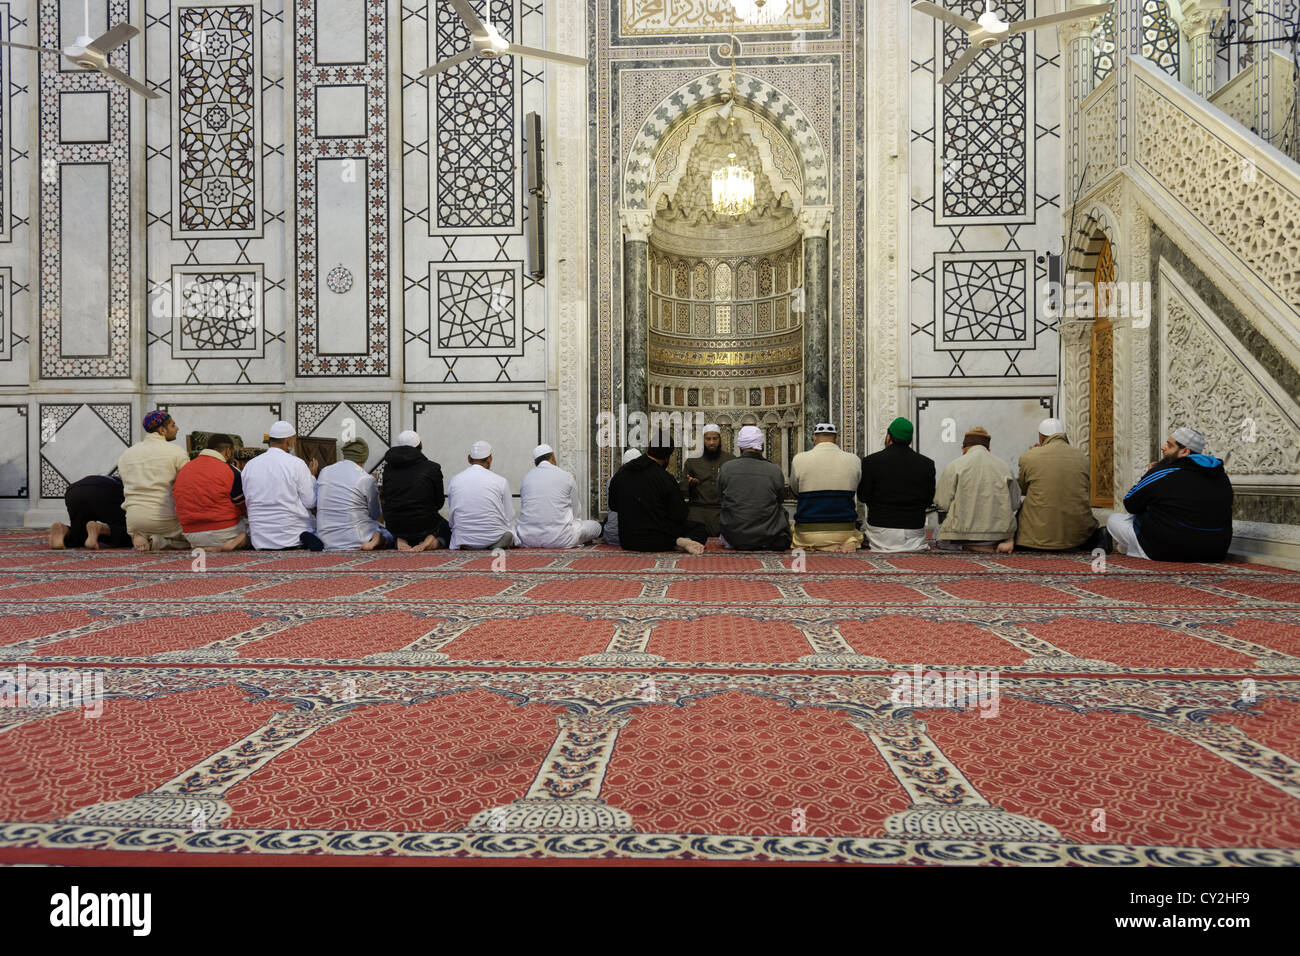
x=825, y=480
x=95, y=511
x=478, y=500
x=980, y=496
x=210, y=498
x=897, y=486
x=148, y=469
x=751, y=490
x=347, y=503
x=610, y=533
x=1054, y=479
x=411, y=496
x=280, y=491
x=548, y=507
x=651, y=510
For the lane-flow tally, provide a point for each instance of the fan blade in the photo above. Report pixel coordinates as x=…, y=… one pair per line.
x=448, y=63
x=537, y=54
x=1052, y=19
x=959, y=65
x=956, y=19
x=135, y=86
x=114, y=38
x=28, y=46
x=471, y=19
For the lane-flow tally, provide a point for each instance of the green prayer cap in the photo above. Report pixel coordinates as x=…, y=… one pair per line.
x=900, y=429
x=357, y=450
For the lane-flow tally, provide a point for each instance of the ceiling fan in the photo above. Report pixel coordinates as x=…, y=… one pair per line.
x=486, y=42
x=990, y=29
x=93, y=54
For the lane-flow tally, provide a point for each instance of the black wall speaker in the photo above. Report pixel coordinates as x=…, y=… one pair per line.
x=535, y=183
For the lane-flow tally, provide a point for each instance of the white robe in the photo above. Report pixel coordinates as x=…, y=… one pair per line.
x=548, y=509
x=480, y=508
x=280, y=493
x=347, y=510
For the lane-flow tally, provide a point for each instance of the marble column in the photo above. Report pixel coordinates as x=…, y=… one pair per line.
x=815, y=221
x=636, y=306
x=1198, y=17
x=1077, y=41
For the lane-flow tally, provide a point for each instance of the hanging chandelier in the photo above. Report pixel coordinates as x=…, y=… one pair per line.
x=733, y=189
x=733, y=184
x=759, y=13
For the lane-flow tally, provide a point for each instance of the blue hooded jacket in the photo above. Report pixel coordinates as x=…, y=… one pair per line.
x=1183, y=509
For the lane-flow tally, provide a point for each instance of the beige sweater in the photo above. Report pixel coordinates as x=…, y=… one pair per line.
x=148, y=469
x=981, y=497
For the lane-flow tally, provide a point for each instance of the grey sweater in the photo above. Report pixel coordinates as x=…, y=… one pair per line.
x=749, y=491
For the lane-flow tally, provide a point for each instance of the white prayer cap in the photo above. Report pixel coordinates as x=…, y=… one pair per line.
x=409, y=438
x=750, y=438
x=1051, y=426
x=480, y=450
x=630, y=454
x=281, y=430
x=542, y=450
x=712, y=428
x=825, y=428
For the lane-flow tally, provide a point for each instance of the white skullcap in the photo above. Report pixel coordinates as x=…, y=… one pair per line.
x=1051, y=426
x=630, y=454
x=750, y=438
x=712, y=428
x=825, y=428
x=542, y=450
x=281, y=430
x=409, y=438
x=480, y=450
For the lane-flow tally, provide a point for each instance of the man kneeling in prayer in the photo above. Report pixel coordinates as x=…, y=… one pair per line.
x=751, y=489
x=548, y=504
x=980, y=496
x=478, y=499
x=95, y=511
x=610, y=534
x=651, y=510
x=347, y=504
x=210, y=498
x=411, y=496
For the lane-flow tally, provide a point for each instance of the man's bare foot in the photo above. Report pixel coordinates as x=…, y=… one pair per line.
x=1007, y=546
x=848, y=547
x=93, y=530
x=402, y=545
x=690, y=546
x=235, y=543
x=57, y=533
x=435, y=543
x=140, y=542
x=428, y=544
x=980, y=548
x=373, y=542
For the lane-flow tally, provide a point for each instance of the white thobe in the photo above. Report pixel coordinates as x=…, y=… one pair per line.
x=479, y=507
x=548, y=505
x=280, y=493
x=347, y=506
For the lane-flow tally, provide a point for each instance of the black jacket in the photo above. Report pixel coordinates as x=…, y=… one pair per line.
x=897, y=486
x=651, y=511
x=412, y=492
x=1183, y=509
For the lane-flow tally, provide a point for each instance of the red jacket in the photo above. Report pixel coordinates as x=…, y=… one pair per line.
x=208, y=493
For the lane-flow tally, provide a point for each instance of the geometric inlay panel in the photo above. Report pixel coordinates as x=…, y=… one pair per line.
x=13, y=451
x=217, y=312
x=475, y=173
x=477, y=312
x=80, y=440
x=85, y=328
x=985, y=301
x=217, y=129
x=986, y=130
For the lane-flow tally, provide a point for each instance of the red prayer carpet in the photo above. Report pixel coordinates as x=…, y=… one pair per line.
x=596, y=705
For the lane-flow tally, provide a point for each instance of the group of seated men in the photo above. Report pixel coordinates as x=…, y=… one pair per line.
x=161, y=499
x=1181, y=509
